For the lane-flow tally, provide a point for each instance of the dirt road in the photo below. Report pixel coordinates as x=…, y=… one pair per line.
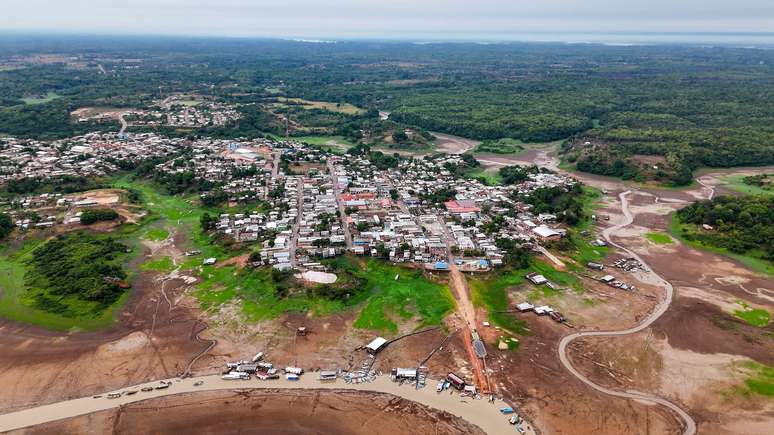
x=689, y=427
x=481, y=413
x=124, y=124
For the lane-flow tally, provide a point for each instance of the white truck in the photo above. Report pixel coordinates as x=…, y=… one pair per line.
x=236, y=376
x=294, y=370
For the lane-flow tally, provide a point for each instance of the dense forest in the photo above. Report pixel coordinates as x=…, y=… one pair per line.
x=689, y=105
x=740, y=224
x=76, y=267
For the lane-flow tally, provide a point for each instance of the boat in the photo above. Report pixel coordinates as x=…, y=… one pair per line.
x=507, y=410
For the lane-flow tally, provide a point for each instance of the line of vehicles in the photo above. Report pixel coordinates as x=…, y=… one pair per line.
x=262, y=370
x=161, y=386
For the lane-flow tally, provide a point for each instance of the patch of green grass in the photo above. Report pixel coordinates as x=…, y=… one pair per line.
x=564, y=279
x=736, y=182
x=164, y=265
x=51, y=96
x=753, y=316
x=679, y=231
x=490, y=178
x=491, y=292
x=384, y=301
x=760, y=379
x=178, y=211
x=156, y=234
x=585, y=252
x=659, y=238
x=345, y=108
x=500, y=146
x=411, y=296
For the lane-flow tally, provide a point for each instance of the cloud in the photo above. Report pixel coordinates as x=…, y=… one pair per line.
x=395, y=18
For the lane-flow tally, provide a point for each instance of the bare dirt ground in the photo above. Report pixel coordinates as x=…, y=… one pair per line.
x=556, y=402
x=267, y=412
x=154, y=337
x=689, y=355
x=446, y=143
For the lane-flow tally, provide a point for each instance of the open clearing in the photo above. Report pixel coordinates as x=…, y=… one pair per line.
x=345, y=108
x=51, y=96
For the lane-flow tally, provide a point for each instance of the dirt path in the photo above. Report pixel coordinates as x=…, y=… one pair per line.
x=124, y=124
x=481, y=413
x=689, y=427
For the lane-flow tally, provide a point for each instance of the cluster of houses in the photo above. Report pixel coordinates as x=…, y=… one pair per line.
x=223, y=162
x=396, y=213
x=90, y=155
x=176, y=112
x=420, y=210
x=47, y=210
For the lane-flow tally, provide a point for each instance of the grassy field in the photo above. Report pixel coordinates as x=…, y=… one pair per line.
x=659, y=238
x=163, y=264
x=753, y=316
x=491, y=291
x=736, y=182
x=51, y=96
x=760, y=379
x=490, y=178
x=412, y=296
x=156, y=234
x=326, y=142
x=501, y=146
x=177, y=212
x=678, y=230
x=256, y=294
x=584, y=252
x=345, y=108
x=383, y=302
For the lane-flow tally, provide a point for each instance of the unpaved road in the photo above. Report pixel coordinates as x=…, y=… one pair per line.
x=689, y=427
x=481, y=413
x=124, y=124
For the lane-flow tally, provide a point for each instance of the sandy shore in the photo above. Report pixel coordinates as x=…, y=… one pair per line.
x=480, y=413
x=265, y=411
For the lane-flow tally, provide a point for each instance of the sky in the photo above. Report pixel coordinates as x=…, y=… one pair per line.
x=401, y=19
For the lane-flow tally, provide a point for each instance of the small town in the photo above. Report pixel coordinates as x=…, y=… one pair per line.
x=310, y=204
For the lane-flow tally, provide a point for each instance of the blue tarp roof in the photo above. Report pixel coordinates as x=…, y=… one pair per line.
x=441, y=265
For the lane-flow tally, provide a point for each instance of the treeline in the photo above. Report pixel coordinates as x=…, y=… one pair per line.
x=691, y=105
x=379, y=159
x=566, y=204
x=76, y=265
x=94, y=215
x=63, y=184
x=6, y=225
x=519, y=174
x=740, y=224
